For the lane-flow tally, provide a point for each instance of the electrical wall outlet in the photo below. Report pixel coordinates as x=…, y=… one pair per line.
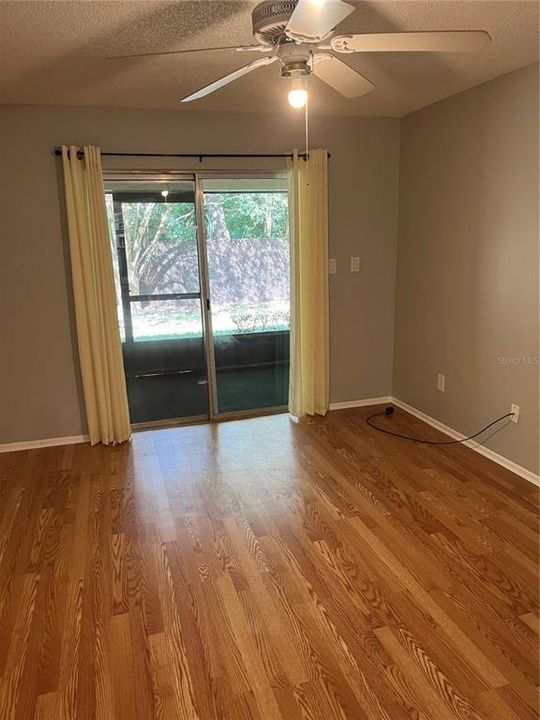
x=355, y=264
x=331, y=266
x=440, y=382
x=514, y=409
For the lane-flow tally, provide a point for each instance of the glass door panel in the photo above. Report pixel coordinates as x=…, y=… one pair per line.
x=153, y=232
x=247, y=244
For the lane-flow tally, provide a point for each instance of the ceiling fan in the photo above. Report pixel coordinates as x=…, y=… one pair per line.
x=299, y=33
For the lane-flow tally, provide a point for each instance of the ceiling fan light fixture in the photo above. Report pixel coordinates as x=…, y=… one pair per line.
x=298, y=94
x=297, y=98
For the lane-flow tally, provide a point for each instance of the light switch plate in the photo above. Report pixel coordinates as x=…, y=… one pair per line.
x=355, y=264
x=441, y=380
x=331, y=266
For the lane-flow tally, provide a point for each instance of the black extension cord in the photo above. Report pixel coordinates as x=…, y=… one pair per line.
x=390, y=411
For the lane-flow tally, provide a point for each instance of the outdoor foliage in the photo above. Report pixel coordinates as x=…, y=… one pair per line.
x=248, y=258
x=246, y=215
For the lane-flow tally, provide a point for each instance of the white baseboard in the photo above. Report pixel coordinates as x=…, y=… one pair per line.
x=491, y=454
x=361, y=403
x=49, y=442
x=478, y=447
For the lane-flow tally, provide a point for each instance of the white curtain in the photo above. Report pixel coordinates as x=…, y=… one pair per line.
x=100, y=349
x=308, y=219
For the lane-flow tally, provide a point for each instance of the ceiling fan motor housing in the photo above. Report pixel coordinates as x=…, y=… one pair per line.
x=295, y=58
x=270, y=18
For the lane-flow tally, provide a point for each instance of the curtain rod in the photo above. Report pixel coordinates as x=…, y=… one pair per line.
x=200, y=156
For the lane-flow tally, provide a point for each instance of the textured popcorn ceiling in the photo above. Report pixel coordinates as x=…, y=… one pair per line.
x=54, y=53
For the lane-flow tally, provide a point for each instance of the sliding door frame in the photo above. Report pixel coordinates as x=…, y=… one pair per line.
x=204, y=282
x=204, y=285
x=118, y=175
x=215, y=415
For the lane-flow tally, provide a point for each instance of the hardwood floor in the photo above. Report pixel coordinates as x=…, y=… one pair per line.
x=266, y=570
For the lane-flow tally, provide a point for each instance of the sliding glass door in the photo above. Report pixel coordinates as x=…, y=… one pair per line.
x=153, y=232
x=202, y=275
x=247, y=243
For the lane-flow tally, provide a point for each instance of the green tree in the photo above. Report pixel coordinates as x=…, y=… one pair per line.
x=157, y=235
x=246, y=215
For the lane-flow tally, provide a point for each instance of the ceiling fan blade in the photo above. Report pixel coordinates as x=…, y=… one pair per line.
x=444, y=41
x=231, y=77
x=341, y=77
x=246, y=48
x=313, y=20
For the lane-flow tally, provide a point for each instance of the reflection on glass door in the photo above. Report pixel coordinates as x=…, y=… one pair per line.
x=247, y=245
x=153, y=231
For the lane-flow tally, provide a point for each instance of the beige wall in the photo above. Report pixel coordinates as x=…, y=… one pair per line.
x=467, y=290
x=39, y=384
x=467, y=287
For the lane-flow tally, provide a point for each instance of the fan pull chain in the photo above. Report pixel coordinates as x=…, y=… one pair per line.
x=306, y=119
x=306, y=122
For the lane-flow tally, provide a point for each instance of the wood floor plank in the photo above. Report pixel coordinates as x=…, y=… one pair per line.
x=176, y=641
x=455, y=635
x=431, y=699
x=260, y=681
x=266, y=569
x=68, y=675
x=11, y=684
x=46, y=706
